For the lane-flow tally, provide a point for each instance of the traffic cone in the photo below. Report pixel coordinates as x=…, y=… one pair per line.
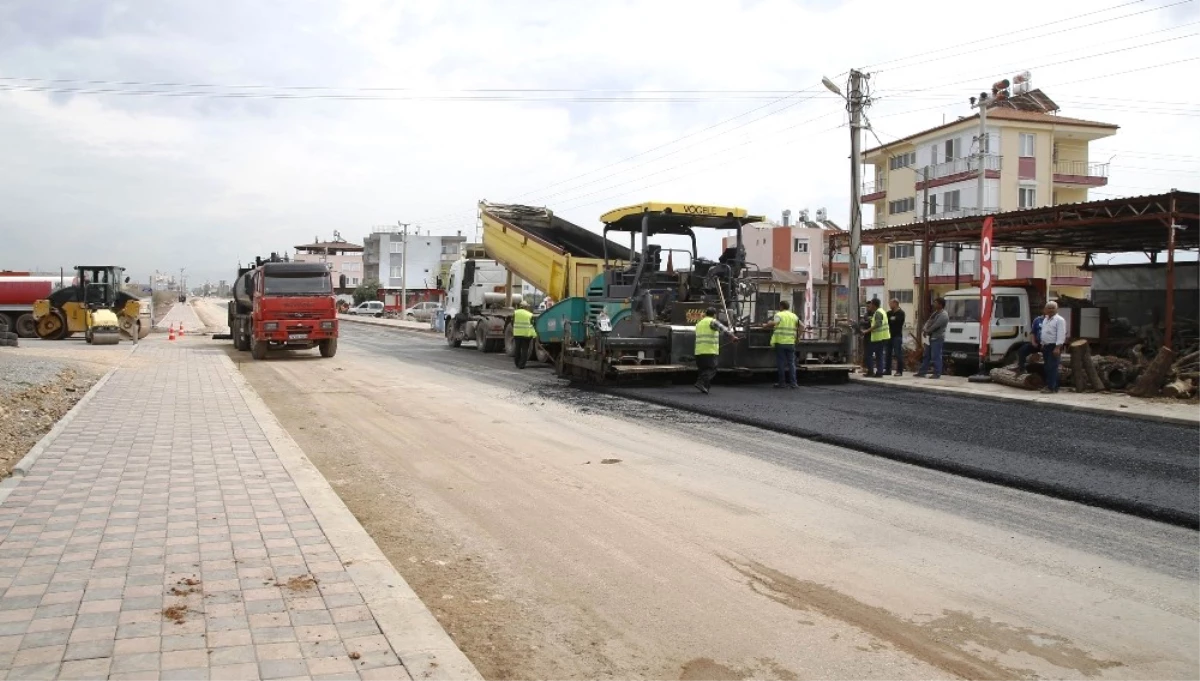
x=171, y=337
x=181, y=329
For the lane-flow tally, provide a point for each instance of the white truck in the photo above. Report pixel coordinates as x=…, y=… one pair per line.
x=1015, y=304
x=478, y=303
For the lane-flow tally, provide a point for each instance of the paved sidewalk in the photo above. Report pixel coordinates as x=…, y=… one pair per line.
x=180, y=315
x=169, y=530
x=1180, y=412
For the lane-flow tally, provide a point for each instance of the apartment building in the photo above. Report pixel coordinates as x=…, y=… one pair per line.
x=344, y=259
x=429, y=258
x=1032, y=157
x=799, y=248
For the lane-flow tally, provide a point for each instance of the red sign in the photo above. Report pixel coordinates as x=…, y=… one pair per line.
x=985, y=288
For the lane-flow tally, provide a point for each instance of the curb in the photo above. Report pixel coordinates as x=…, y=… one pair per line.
x=420, y=641
x=26, y=463
x=1102, y=411
x=373, y=322
x=1134, y=508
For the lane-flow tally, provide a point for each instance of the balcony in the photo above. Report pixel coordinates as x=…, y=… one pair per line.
x=959, y=169
x=962, y=213
x=1064, y=274
x=1080, y=174
x=943, y=272
x=872, y=276
x=842, y=258
x=874, y=191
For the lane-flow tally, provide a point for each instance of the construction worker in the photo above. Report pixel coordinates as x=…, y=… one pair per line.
x=878, y=336
x=708, y=346
x=523, y=334
x=783, y=339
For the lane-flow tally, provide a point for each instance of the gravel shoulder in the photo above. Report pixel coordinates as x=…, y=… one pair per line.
x=35, y=392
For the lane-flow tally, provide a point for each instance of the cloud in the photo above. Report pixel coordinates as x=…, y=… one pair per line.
x=160, y=182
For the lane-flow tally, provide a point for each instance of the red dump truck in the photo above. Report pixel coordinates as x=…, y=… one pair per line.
x=283, y=305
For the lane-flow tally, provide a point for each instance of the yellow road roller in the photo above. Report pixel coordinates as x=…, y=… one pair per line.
x=73, y=309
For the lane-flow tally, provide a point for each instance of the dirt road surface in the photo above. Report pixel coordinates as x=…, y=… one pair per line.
x=558, y=534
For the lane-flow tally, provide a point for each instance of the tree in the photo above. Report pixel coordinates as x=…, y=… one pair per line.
x=367, y=290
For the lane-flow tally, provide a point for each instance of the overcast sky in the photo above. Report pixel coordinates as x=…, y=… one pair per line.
x=365, y=112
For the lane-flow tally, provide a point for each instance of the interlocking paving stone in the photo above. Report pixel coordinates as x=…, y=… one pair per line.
x=155, y=537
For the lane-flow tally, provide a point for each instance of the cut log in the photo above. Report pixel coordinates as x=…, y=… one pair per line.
x=1152, y=379
x=1083, y=369
x=1189, y=358
x=1009, y=377
x=1180, y=389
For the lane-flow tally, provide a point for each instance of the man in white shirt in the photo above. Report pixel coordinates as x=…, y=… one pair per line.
x=1054, y=337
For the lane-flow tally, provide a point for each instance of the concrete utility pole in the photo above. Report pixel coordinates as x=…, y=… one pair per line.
x=980, y=204
x=856, y=100
x=403, y=267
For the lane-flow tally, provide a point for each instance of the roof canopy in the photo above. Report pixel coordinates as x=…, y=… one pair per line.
x=676, y=218
x=1109, y=226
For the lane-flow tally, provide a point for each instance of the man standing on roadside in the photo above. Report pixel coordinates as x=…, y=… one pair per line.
x=1054, y=337
x=935, y=329
x=894, y=349
x=878, y=334
x=708, y=346
x=783, y=339
x=523, y=334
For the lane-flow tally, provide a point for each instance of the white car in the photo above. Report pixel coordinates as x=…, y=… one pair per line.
x=371, y=308
x=422, y=312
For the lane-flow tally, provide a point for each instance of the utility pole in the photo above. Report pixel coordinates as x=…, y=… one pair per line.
x=403, y=267
x=856, y=100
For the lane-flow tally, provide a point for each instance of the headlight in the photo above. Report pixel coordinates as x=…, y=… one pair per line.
x=326, y=325
x=270, y=326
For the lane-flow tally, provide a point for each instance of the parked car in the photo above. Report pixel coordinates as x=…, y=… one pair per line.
x=422, y=312
x=371, y=308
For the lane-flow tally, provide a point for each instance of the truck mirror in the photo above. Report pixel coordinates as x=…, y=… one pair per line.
x=126, y=280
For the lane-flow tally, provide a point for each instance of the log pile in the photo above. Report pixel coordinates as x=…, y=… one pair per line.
x=1009, y=376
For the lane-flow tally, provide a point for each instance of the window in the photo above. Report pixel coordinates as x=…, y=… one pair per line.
x=835, y=278
x=933, y=205
x=902, y=161
x=1027, y=144
x=800, y=245
x=950, y=144
x=397, y=246
x=985, y=143
x=1025, y=254
x=903, y=295
x=1007, y=307
x=397, y=272
x=354, y=281
x=351, y=266
x=1027, y=197
x=951, y=201
x=900, y=251
x=902, y=205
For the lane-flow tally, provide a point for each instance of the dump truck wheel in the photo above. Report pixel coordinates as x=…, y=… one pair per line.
x=26, y=326
x=328, y=347
x=452, y=338
x=53, y=326
x=510, y=344
x=258, y=349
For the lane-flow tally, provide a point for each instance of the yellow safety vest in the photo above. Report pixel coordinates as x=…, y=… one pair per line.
x=523, y=324
x=707, y=338
x=884, y=332
x=785, y=329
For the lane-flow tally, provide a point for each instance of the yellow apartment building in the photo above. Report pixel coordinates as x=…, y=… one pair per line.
x=1032, y=158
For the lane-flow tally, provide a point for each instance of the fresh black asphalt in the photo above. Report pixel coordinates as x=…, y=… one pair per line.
x=1140, y=467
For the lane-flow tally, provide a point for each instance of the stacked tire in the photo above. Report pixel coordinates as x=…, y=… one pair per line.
x=8, y=339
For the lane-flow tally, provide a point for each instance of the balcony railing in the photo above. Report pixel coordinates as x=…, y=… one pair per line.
x=961, y=213
x=878, y=186
x=1059, y=270
x=1081, y=172
x=966, y=269
x=958, y=166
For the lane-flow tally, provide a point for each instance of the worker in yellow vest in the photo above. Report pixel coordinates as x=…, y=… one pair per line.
x=783, y=339
x=523, y=334
x=708, y=346
x=878, y=336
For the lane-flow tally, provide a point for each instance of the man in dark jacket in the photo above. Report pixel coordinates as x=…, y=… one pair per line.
x=894, y=350
x=935, y=329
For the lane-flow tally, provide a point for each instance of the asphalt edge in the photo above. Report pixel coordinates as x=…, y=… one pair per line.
x=1147, y=511
x=1101, y=411
x=378, y=324
x=22, y=467
x=424, y=647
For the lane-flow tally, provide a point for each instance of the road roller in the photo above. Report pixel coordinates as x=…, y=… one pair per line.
x=73, y=309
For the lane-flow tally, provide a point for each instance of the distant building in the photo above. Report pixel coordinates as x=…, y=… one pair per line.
x=428, y=261
x=799, y=248
x=344, y=259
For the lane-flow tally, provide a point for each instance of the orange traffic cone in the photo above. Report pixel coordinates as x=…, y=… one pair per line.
x=171, y=337
x=181, y=329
